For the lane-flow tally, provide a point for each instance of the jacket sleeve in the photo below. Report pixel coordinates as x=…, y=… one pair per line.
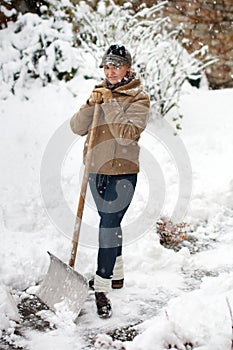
x=126, y=124
x=81, y=121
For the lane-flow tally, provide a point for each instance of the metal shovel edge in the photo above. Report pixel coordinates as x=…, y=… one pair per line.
x=63, y=289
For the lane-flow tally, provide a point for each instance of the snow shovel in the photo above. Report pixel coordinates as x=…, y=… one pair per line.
x=63, y=288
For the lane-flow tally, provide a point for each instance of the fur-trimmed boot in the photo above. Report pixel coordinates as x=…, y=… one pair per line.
x=103, y=304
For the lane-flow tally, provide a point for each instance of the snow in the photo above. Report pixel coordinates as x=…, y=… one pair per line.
x=8, y=309
x=160, y=292
x=6, y=12
x=171, y=298
x=35, y=47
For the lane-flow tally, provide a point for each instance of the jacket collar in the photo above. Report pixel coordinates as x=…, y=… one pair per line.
x=130, y=88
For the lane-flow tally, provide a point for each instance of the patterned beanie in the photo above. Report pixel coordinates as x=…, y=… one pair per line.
x=116, y=55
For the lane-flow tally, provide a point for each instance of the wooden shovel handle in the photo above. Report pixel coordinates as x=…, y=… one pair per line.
x=83, y=190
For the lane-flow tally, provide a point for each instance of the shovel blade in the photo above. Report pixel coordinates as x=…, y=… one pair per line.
x=63, y=288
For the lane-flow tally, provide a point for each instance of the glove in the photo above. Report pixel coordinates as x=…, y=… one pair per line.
x=100, y=95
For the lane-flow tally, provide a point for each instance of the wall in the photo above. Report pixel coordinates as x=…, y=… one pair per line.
x=205, y=22
x=208, y=22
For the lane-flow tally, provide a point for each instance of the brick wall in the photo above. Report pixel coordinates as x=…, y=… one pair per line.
x=205, y=22
x=208, y=22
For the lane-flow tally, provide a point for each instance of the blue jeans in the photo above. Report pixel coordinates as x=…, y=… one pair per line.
x=112, y=195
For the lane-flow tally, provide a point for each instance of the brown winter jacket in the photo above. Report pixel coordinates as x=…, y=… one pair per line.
x=121, y=122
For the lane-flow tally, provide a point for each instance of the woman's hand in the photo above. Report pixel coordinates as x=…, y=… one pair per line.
x=100, y=95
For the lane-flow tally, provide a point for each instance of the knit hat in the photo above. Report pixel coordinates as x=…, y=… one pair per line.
x=116, y=55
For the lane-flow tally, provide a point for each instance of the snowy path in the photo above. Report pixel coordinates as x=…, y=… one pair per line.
x=170, y=297
x=138, y=301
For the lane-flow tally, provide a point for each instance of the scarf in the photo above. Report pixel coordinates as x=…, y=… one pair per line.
x=124, y=81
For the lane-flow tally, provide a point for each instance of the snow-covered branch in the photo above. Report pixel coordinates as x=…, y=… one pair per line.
x=57, y=45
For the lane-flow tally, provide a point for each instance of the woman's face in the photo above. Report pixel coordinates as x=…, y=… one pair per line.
x=115, y=74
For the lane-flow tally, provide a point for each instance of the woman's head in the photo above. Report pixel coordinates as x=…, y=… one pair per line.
x=116, y=63
x=116, y=55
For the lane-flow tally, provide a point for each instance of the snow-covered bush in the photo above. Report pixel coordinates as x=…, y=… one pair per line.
x=168, y=66
x=61, y=41
x=156, y=48
x=34, y=47
x=174, y=236
x=7, y=12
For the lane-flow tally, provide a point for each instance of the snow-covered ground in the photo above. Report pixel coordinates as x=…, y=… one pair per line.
x=170, y=298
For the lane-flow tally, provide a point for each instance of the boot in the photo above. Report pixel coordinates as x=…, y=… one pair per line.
x=116, y=284
x=104, y=308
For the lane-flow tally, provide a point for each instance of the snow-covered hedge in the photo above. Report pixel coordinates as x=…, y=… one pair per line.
x=57, y=45
x=34, y=47
x=156, y=48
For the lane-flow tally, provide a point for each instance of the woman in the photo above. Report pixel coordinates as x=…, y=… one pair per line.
x=115, y=161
